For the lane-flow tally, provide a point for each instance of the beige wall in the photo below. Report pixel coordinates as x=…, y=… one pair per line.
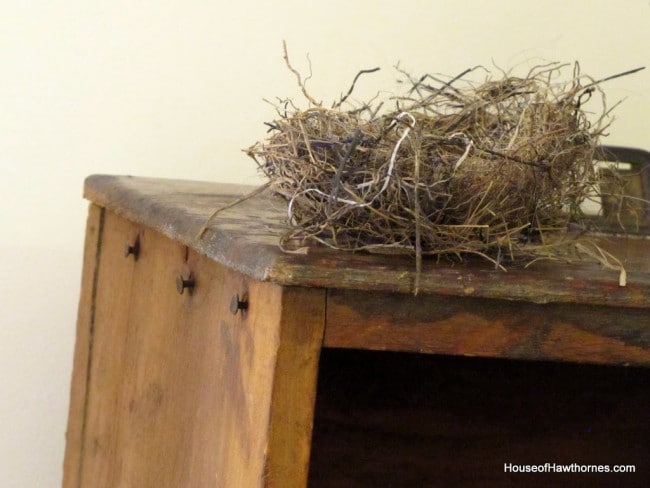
x=174, y=89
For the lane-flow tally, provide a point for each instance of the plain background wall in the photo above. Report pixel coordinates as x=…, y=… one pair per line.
x=174, y=88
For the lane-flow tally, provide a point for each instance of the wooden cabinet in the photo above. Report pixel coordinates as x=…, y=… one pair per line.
x=198, y=360
x=177, y=388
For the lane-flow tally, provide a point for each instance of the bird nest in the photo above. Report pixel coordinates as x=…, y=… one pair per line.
x=497, y=169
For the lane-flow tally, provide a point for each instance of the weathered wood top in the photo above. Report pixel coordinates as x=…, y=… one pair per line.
x=245, y=237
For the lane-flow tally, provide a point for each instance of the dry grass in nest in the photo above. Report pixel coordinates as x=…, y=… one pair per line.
x=497, y=169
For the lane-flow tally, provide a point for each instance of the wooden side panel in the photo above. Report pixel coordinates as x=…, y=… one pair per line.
x=106, y=363
x=184, y=393
x=488, y=328
x=85, y=316
x=294, y=392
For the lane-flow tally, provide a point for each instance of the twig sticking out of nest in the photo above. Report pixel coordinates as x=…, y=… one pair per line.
x=497, y=169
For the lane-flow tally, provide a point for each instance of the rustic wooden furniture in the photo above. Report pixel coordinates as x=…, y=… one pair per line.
x=197, y=360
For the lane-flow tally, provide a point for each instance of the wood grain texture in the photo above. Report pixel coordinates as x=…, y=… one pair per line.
x=82, y=350
x=294, y=387
x=183, y=393
x=487, y=328
x=245, y=238
x=108, y=362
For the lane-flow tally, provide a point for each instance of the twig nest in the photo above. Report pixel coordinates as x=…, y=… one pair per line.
x=499, y=169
